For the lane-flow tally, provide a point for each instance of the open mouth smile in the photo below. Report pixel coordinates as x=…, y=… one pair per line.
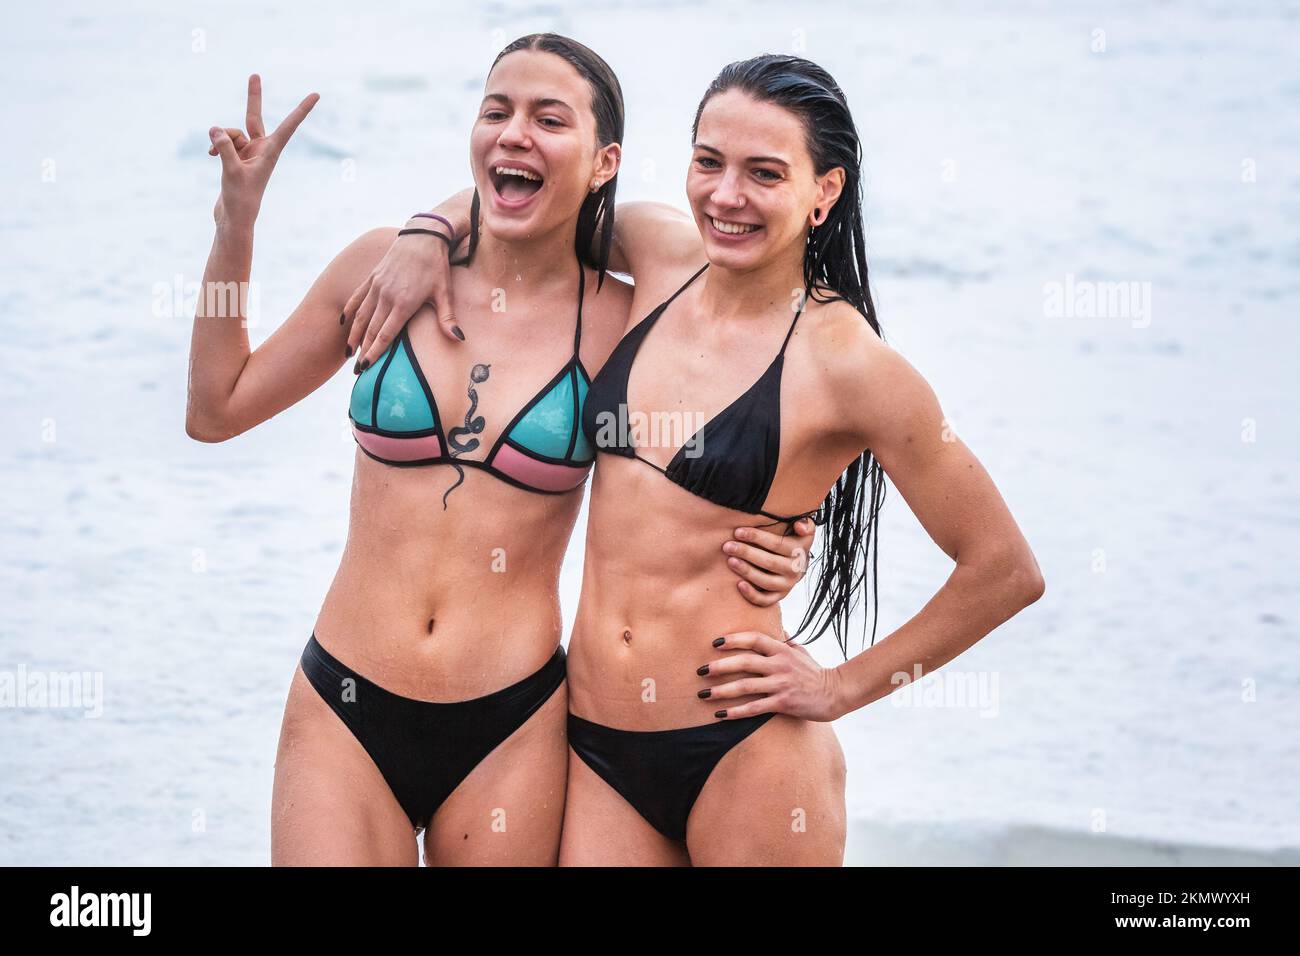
x=515, y=184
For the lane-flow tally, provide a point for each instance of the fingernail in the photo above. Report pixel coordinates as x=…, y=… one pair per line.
x=356, y=369
x=729, y=548
x=719, y=714
x=706, y=692
x=365, y=364
x=703, y=671
x=719, y=641
x=458, y=333
x=348, y=351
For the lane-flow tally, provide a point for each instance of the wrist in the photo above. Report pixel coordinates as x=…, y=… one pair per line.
x=433, y=217
x=418, y=222
x=235, y=228
x=841, y=693
x=456, y=210
x=437, y=236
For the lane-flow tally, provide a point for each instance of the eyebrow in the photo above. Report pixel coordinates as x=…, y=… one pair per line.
x=752, y=159
x=539, y=103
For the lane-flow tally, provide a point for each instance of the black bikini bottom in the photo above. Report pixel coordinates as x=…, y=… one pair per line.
x=424, y=749
x=659, y=772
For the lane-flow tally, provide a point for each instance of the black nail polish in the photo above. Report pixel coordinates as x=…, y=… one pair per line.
x=719, y=641
x=706, y=692
x=458, y=333
x=703, y=671
x=356, y=369
x=365, y=364
x=720, y=714
x=348, y=351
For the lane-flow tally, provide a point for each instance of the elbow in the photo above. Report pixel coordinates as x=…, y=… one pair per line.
x=205, y=430
x=1027, y=582
x=199, y=433
x=1009, y=577
x=1013, y=574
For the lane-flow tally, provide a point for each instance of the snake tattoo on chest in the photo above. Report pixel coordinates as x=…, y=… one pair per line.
x=473, y=425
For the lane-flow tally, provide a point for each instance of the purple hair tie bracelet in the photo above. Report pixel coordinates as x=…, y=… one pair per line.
x=434, y=215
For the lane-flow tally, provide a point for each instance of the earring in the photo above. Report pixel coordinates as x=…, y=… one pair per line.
x=596, y=184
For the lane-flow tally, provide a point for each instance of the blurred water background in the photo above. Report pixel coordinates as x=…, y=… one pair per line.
x=1145, y=710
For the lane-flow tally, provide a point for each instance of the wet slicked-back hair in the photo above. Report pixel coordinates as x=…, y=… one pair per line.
x=597, y=212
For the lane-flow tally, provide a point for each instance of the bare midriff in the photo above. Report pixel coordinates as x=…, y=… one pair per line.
x=448, y=604
x=656, y=592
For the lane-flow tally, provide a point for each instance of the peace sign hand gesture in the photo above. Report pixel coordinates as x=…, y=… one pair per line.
x=247, y=159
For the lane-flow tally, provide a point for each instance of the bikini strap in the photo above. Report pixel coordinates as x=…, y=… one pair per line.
x=662, y=471
x=582, y=284
x=791, y=519
x=669, y=301
x=803, y=299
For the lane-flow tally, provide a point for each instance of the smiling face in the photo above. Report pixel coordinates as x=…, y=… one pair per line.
x=533, y=148
x=752, y=186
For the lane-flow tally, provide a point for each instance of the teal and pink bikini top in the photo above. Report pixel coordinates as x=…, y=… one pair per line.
x=543, y=449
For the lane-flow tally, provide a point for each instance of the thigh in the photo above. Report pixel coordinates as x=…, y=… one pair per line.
x=508, y=811
x=603, y=829
x=330, y=805
x=775, y=799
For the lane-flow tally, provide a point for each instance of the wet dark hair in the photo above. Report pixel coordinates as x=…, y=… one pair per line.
x=835, y=258
x=597, y=212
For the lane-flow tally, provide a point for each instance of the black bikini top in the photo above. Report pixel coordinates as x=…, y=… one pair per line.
x=731, y=460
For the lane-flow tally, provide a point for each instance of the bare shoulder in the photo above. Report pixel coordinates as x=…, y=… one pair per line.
x=368, y=248
x=357, y=259
x=841, y=341
x=868, y=381
x=656, y=286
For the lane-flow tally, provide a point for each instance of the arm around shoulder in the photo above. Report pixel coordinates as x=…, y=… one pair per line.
x=652, y=235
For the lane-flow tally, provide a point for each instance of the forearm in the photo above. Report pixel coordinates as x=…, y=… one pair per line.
x=650, y=236
x=635, y=223
x=975, y=600
x=219, y=341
